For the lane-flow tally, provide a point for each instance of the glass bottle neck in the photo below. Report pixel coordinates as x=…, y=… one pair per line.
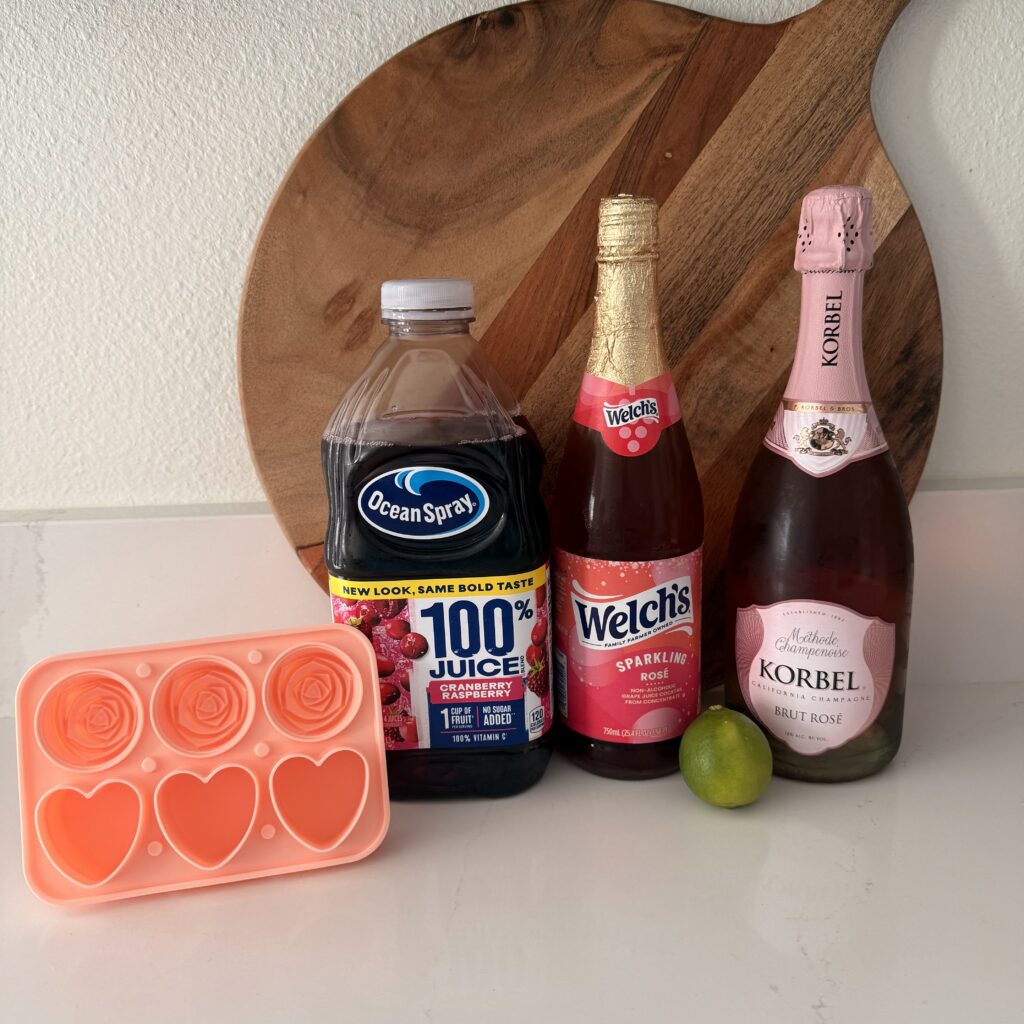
x=627, y=347
x=829, y=361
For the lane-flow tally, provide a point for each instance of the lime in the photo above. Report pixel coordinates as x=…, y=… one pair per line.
x=725, y=758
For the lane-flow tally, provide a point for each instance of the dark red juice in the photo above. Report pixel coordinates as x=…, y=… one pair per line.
x=437, y=549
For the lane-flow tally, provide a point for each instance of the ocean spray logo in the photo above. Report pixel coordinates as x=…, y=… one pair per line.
x=606, y=624
x=629, y=412
x=423, y=502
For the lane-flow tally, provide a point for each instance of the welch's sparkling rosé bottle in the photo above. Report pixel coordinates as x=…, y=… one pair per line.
x=628, y=524
x=821, y=557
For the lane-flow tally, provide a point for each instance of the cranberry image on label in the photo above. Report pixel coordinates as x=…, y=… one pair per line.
x=414, y=645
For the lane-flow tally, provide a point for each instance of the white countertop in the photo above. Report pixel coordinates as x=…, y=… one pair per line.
x=899, y=898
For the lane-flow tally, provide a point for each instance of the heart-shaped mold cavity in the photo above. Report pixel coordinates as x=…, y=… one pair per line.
x=207, y=820
x=202, y=706
x=310, y=692
x=89, y=721
x=89, y=836
x=320, y=802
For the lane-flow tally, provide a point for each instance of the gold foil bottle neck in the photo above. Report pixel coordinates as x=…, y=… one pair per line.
x=627, y=227
x=626, y=346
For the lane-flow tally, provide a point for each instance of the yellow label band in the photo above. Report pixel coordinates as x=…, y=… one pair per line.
x=358, y=590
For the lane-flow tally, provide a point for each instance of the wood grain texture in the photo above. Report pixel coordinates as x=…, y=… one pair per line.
x=482, y=151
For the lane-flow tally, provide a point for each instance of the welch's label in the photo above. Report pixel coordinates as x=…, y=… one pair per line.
x=630, y=419
x=607, y=623
x=629, y=412
x=627, y=646
x=423, y=502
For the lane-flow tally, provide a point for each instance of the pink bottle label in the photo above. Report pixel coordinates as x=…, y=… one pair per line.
x=630, y=419
x=821, y=438
x=826, y=419
x=627, y=646
x=815, y=675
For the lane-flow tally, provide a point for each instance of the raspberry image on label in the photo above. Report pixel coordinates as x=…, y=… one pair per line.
x=368, y=613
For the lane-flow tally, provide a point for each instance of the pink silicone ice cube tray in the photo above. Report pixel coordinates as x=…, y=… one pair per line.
x=156, y=768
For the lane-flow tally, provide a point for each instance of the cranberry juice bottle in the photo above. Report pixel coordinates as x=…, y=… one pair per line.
x=437, y=547
x=821, y=557
x=628, y=524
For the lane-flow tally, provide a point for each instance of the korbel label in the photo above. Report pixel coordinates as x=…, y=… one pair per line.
x=823, y=437
x=814, y=674
x=826, y=419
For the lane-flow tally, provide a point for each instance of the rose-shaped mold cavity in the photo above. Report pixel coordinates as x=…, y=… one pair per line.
x=202, y=706
x=311, y=692
x=88, y=721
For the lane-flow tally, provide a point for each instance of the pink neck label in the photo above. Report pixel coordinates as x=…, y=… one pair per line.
x=629, y=419
x=821, y=438
x=826, y=419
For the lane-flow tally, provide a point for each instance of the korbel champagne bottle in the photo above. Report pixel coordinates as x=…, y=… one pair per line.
x=821, y=557
x=628, y=524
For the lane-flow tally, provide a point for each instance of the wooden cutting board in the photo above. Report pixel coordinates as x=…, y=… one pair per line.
x=482, y=151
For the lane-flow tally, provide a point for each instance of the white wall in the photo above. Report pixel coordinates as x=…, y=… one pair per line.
x=142, y=143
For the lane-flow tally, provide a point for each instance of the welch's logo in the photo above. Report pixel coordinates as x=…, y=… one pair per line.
x=608, y=623
x=423, y=502
x=629, y=412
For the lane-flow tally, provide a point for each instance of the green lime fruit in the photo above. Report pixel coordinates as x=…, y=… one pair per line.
x=725, y=758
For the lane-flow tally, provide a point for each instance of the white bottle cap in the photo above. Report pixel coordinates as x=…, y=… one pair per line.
x=427, y=299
